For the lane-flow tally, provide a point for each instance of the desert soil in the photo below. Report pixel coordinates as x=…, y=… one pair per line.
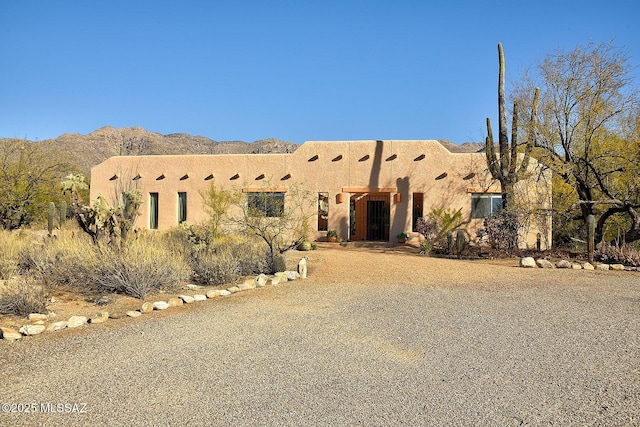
x=375, y=336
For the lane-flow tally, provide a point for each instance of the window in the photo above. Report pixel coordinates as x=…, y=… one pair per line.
x=153, y=211
x=418, y=202
x=323, y=211
x=182, y=207
x=268, y=204
x=485, y=204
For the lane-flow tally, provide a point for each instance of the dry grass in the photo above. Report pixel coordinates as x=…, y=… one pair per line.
x=20, y=297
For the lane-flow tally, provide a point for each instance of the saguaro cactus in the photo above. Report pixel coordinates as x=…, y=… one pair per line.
x=51, y=217
x=506, y=168
x=63, y=212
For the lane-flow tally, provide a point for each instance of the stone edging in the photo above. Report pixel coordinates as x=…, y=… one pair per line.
x=38, y=322
x=530, y=262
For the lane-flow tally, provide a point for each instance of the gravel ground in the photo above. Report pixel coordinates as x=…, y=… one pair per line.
x=373, y=337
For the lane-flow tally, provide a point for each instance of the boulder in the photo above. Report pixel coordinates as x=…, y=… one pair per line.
x=563, y=264
x=543, y=263
x=76, y=321
x=587, y=266
x=246, y=286
x=224, y=293
x=57, y=326
x=117, y=315
x=160, y=305
x=100, y=317
x=233, y=289
x=213, y=293
x=603, y=267
x=576, y=266
x=9, y=334
x=133, y=313
x=292, y=275
x=617, y=267
x=261, y=280
x=147, y=307
x=28, y=330
x=302, y=267
x=527, y=262
x=186, y=298
x=34, y=317
x=199, y=297
x=273, y=281
x=174, y=302
x=282, y=276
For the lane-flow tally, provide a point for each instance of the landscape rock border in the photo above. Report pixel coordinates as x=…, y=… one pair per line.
x=37, y=321
x=530, y=262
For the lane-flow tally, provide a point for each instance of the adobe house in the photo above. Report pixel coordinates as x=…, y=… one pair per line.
x=366, y=190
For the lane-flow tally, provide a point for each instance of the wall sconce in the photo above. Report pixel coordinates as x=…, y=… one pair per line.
x=397, y=197
x=341, y=198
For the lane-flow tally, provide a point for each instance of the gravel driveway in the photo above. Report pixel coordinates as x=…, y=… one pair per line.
x=373, y=337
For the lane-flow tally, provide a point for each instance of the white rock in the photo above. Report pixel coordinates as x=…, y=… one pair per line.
x=587, y=266
x=302, y=267
x=543, y=263
x=32, y=329
x=603, y=267
x=261, y=280
x=57, y=326
x=199, y=297
x=134, y=313
x=101, y=317
x=213, y=293
x=618, y=267
x=233, y=289
x=527, y=262
x=224, y=293
x=563, y=264
x=246, y=286
x=186, y=298
x=160, y=305
x=191, y=286
x=273, y=281
x=37, y=316
x=576, y=266
x=292, y=275
x=282, y=276
x=147, y=307
x=174, y=302
x=9, y=334
x=75, y=321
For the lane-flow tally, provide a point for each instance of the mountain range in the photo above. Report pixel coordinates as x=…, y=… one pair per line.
x=86, y=151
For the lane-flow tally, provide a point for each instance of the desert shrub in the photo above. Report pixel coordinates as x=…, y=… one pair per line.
x=187, y=240
x=142, y=266
x=12, y=247
x=438, y=224
x=230, y=257
x=501, y=230
x=216, y=268
x=622, y=254
x=22, y=298
x=426, y=247
x=66, y=261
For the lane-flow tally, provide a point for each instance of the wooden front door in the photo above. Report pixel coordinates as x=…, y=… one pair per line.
x=370, y=216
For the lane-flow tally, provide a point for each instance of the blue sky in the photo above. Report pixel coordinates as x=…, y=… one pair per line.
x=293, y=70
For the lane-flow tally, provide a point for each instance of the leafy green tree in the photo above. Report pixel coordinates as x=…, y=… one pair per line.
x=28, y=182
x=587, y=99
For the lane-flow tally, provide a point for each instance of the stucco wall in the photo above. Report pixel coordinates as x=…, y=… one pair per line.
x=406, y=167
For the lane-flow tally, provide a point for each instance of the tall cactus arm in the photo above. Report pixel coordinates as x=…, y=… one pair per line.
x=531, y=137
x=503, y=137
x=490, y=152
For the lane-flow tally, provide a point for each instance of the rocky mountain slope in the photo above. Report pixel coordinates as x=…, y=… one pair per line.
x=86, y=151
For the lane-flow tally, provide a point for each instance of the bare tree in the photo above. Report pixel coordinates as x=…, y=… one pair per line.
x=586, y=100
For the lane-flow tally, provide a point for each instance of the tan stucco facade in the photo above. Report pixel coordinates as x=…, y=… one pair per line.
x=389, y=174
